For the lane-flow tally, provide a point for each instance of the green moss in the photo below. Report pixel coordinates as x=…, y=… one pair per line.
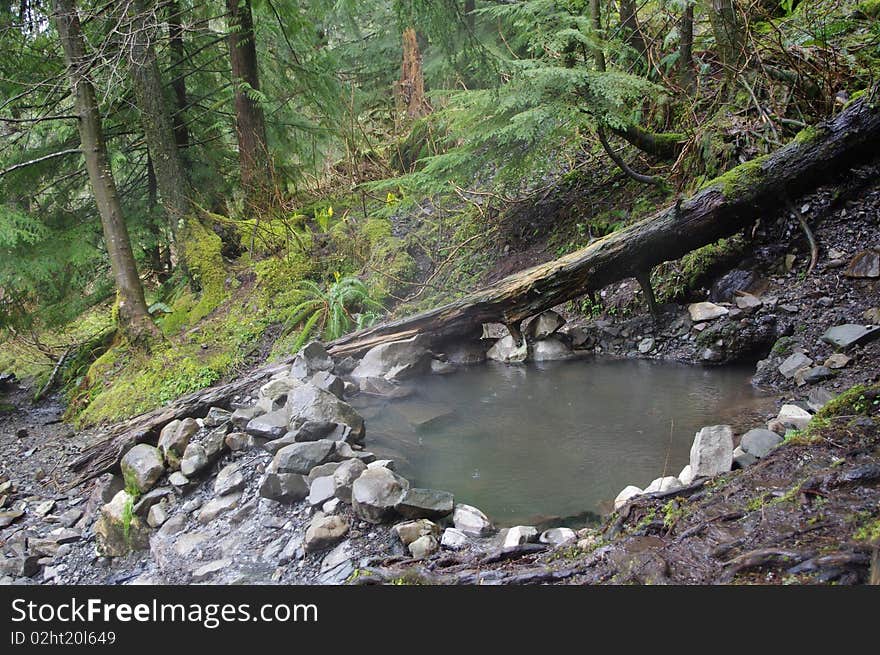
x=869, y=531
x=871, y=8
x=739, y=179
x=206, y=266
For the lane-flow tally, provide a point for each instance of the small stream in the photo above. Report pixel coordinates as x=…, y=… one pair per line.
x=531, y=443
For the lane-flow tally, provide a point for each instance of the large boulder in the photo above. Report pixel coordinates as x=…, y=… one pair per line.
x=519, y=535
x=329, y=382
x=397, y=360
x=271, y=425
x=425, y=504
x=375, y=494
x=324, y=532
x=313, y=357
x=505, y=350
x=308, y=403
x=471, y=521
x=344, y=476
x=301, y=458
x=118, y=530
x=628, y=493
x=142, y=466
x=712, y=451
x=551, y=349
x=543, y=325
x=174, y=439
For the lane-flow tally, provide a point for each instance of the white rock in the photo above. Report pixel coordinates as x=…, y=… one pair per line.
x=624, y=496
x=471, y=521
x=706, y=311
x=557, y=536
x=792, y=416
x=669, y=483
x=505, y=350
x=453, y=539
x=686, y=477
x=712, y=451
x=520, y=534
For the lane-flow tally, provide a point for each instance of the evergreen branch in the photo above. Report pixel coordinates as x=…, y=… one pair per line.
x=25, y=164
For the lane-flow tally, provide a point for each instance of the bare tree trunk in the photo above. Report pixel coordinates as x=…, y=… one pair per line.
x=686, y=49
x=411, y=88
x=253, y=155
x=469, y=17
x=178, y=83
x=134, y=318
x=632, y=33
x=728, y=29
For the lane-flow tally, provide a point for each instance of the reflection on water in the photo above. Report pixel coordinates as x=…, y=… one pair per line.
x=528, y=442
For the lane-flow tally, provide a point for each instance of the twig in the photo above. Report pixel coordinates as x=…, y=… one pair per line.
x=814, y=247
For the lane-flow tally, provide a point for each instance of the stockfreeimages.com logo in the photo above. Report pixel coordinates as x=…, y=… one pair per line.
x=208, y=615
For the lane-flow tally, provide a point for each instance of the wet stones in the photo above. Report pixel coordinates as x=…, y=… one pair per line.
x=507, y=351
x=142, y=466
x=376, y=493
x=397, y=360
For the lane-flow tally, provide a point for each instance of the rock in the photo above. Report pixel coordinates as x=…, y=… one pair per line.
x=345, y=475
x=551, y=349
x=205, y=571
x=284, y=487
x=174, y=525
x=557, y=536
x=228, y=480
x=712, y=451
x=321, y=490
x=872, y=315
x=23, y=566
x=376, y=493
x=748, y=303
x=471, y=521
x=646, y=345
x=323, y=469
x=519, y=535
x=845, y=336
x=331, y=506
x=505, y=350
x=325, y=532
x=686, y=477
x=777, y=426
x=236, y=441
x=424, y=547
x=301, y=458
x=742, y=459
x=157, y=515
x=439, y=367
x=409, y=531
x=309, y=404
x=145, y=502
x=794, y=417
x=467, y=353
x=118, y=530
x=316, y=357
x=706, y=311
x=626, y=495
x=544, y=325
x=385, y=388
x=70, y=517
x=179, y=480
x=241, y=417
x=194, y=460
x=142, y=466
x=339, y=555
x=793, y=364
x=727, y=286
x=818, y=397
x=216, y=417
x=759, y=442
x=864, y=264
x=814, y=374
x=382, y=464
x=453, y=539
x=425, y=504
x=329, y=382
x=269, y=426
x=188, y=542
x=174, y=439
x=217, y=506
x=837, y=360
x=397, y=360
x=346, y=366
x=711, y=355
x=668, y=483
x=44, y=508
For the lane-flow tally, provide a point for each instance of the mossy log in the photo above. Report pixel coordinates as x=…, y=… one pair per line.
x=722, y=207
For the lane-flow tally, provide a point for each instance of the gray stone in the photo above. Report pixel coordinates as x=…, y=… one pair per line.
x=706, y=311
x=544, y=325
x=145, y=502
x=179, y=480
x=174, y=439
x=626, y=495
x=301, y=458
x=424, y=547
x=284, y=487
x=747, y=302
x=174, y=525
x=316, y=356
x=321, y=490
x=409, y=531
x=331, y=506
x=467, y=353
x=9, y=516
x=23, y=566
x=277, y=388
x=793, y=364
x=712, y=451
x=205, y=571
x=216, y=417
x=865, y=264
x=117, y=530
x=815, y=374
x=425, y=504
x=382, y=464
x=236, y=441
x=759, y=442
x=845, y=336
x=157, y=515
x=228, y=480
x=217, y=506
x=711, y=355
x=269, y=426
x=142, y=466
x=397, y=360
x=329, y=382
x=646, y=345
x=241, y=417
x=686, y=477
x=557, y=536
x=837, y=360
x=341, y=553
x=472, y=521
x=384, y=388
x=818, y=397
x=668, y=483
x=345, y=475
x=551, y=349
x=742, y=459
x=324, y=532
x=194, y=460
x=453, y=539
x=439, y=367
x=375, y=494
x=794, y=417
x=519, y=535
x=323, y=469
x=505, y=350
x=308, y=404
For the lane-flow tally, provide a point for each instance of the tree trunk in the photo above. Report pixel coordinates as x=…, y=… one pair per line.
x=253, y=154
x=725, y=206
x=632, y=33
x=134, y=320
x=686, y=49
x=728, y=30
x=178, y=82
x=411, y=88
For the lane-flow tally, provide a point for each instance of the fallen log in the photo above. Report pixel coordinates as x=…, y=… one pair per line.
x=723, y=207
